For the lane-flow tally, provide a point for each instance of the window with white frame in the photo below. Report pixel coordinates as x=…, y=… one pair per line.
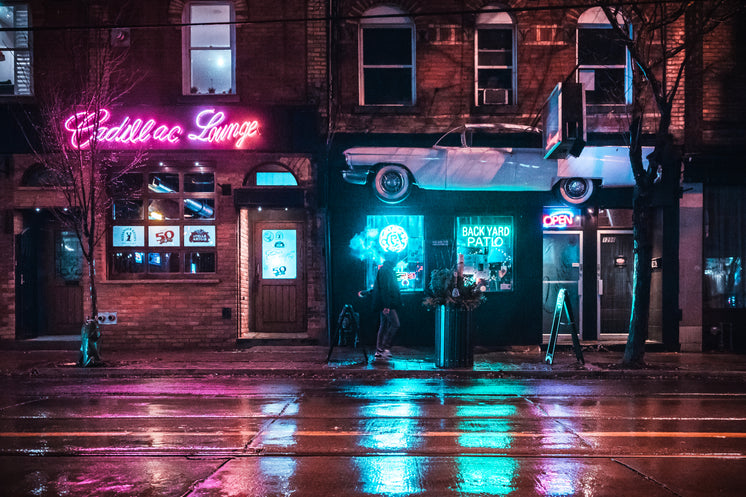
x=209, y=48
x=495, y=59
x=15, y=50
x=386, y=58
x=604, y=64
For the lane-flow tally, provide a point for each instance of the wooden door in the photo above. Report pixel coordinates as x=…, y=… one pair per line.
x=279, y=292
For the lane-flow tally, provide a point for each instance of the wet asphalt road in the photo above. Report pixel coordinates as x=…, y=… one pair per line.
x=269, y=436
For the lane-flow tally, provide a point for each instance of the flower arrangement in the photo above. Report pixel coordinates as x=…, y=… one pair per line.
x=449, y=287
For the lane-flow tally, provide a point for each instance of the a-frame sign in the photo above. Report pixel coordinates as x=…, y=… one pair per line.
x=563, y=307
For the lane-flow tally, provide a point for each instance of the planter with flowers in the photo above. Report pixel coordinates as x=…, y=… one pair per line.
x=453, y=299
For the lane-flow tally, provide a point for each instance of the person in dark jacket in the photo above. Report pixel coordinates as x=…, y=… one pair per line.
x=387, y=302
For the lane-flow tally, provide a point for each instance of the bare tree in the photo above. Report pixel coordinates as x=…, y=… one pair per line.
x=79, y=167
x=660, y=62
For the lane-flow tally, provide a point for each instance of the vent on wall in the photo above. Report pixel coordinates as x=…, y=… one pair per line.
x=495, y=96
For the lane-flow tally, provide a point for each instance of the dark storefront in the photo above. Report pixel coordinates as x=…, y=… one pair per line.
x=522, y=247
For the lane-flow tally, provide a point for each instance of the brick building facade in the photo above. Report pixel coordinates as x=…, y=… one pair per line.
x=181, y=260
x=320, y=77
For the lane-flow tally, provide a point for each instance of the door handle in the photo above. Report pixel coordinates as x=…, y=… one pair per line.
x=600, y=287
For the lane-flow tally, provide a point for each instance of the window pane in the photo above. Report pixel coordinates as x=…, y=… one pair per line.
x=608, y=87
x=495, y=59
x=15, y=53
x=495, y=78
x=495, y=39
x=163, y=262
x=215, y=35
x=403, y=235
x=200, y=262
x=275, y=179
x=127, y=210
x=164, y=208
x=387, y=46
x=212, y=69
x=199, y=208
x=388, y=86
x=68, y=257
x=487, y=245
x=163, y=183
x=600, y=47
x=199, y=182
x=279, y=255
x=128, y=262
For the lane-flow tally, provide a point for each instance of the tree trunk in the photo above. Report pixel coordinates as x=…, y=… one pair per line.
x=643, y=252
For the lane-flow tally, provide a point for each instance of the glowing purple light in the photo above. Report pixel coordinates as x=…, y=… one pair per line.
x=211, y=127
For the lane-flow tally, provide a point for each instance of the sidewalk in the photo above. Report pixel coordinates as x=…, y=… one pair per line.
x=309, y=361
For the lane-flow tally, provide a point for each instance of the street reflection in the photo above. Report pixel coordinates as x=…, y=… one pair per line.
x=557, y=477
x=486, y=475
x=392, y=475
x=398, y=430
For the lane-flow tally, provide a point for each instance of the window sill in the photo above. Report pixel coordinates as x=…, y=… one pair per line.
x=210, y=281
x=208, y=98
x=386, y=109
x=485, y=109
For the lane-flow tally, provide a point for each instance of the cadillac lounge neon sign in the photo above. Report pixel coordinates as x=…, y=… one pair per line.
x=211, y=128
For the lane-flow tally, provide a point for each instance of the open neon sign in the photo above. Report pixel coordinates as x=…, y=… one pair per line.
x=210, y=127
x=559, y=219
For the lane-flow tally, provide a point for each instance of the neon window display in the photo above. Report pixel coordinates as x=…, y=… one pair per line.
x=402, y=235
x=487, y=245
x=279, y=255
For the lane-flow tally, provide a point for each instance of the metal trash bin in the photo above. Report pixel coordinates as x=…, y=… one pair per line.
x=453, y=337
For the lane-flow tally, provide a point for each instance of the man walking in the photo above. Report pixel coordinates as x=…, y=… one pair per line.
x=387, y=302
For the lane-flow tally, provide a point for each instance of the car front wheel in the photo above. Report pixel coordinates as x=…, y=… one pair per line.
x=575, y=190
x=392, y=184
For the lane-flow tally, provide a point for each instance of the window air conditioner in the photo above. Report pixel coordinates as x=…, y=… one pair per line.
x=495, y=96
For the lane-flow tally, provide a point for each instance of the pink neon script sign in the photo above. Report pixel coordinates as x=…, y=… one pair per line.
x=210, y=127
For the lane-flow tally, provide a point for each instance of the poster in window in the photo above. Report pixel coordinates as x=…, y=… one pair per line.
x=163, y=236
x=279, y=255
x=199, y=236
x=128, y=236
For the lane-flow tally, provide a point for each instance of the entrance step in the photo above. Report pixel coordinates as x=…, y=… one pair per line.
x=47, y=342
x=257, y=339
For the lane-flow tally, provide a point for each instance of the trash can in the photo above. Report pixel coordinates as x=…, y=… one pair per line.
x=453, y=337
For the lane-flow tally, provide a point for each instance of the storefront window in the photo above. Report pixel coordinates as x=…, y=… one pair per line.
x=724, y=247
x=402, y=235
x=487, y=245
x=164, y=225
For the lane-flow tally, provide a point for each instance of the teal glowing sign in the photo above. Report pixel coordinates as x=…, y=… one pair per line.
x=486, y=242
x=393, y=238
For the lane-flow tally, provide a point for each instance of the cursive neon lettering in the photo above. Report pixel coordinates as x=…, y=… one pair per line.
x=211, y=127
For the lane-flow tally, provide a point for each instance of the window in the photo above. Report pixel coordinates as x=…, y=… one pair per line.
x=487, y=245
x=386, y=53
x=210, y=49
x=495, y=59
x=15, y=51
x=163, y=224
x=604, y=65
x=271, y=174
x=402, y=235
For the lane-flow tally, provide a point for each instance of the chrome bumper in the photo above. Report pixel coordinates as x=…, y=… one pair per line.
x=355, y=177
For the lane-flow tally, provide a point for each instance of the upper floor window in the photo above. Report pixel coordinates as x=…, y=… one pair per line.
x=495, y=59
x=386, y=53
x=209, y=48
x=604, y=65
x=15, y=50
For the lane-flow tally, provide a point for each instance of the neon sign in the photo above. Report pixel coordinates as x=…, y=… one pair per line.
x=393, y=238
x=561, y=219
x=485, y=236
x=210, y=128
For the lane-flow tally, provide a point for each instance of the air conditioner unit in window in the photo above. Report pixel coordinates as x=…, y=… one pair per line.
x=495, y=96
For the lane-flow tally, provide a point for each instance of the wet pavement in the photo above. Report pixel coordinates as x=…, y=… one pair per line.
x=268, y=436
x=521, y=362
